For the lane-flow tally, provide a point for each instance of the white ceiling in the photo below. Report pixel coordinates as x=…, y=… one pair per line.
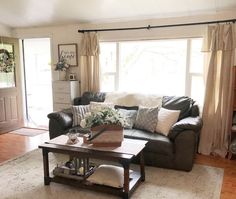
x=28, y=13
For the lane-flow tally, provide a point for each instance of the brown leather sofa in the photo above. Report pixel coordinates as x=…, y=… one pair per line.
x=177, y=151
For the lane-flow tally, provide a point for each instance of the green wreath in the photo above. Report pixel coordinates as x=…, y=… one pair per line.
x=7, y=63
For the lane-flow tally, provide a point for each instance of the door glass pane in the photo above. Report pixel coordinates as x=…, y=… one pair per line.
x=7, y=66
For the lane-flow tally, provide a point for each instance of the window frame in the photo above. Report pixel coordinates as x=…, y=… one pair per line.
x=188, y=74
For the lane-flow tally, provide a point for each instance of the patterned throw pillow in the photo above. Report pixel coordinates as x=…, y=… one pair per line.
x=130, y=117
x=79, y=113
x=146, y=119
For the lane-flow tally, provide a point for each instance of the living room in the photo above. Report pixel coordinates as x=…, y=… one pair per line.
x=146, y=47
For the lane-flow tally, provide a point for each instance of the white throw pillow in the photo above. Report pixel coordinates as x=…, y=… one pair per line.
x=166, y=119
x=97, y=106
x=108, y=175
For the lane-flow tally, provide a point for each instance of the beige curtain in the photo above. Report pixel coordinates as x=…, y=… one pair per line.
x=219, y=45
x=89, y=63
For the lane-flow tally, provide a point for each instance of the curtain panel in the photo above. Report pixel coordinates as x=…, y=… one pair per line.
x=219, y=46
x=89, y=63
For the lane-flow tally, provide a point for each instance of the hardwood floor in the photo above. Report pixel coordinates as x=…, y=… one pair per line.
x=12, y=145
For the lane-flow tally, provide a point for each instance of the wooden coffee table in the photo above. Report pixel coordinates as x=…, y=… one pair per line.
x=123, y=155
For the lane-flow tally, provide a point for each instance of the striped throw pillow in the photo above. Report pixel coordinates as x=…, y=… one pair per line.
x=79, y=113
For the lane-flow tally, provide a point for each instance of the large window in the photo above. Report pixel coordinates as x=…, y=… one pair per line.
x=166, y=67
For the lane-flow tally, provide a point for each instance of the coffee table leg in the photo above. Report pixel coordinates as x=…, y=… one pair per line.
x=126, y=180
x=142, y=169
x=46, y=167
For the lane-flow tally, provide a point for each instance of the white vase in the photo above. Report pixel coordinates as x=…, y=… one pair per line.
x=62, y=76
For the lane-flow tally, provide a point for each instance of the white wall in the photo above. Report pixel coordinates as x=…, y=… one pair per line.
x=58, y=34
x=69, y=33
x=5, y=31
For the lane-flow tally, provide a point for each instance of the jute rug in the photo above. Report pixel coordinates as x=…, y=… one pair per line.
x=22, y=178
x=28, y=131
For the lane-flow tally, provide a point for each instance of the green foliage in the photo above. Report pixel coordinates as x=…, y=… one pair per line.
x=62, y=65
x=7, y=62
x=104, y=116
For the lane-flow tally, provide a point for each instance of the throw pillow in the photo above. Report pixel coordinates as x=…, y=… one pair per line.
x=108, y=175
x=166, y=119
x=183, y=103
x=130, y=117
x=79, y=113
x=146, y=119
x=97, y=106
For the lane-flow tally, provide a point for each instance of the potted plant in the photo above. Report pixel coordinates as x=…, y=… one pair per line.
x=62, y=65
x=106, y=127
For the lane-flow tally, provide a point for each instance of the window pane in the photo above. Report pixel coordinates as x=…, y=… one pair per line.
x=107, y=83
x=108, y=57
x=197, y=89
x=153, y=66
x=196, y=58
x=7, y=80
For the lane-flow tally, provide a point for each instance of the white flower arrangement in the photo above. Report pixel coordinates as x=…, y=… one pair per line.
x=104, y=116
x=62, y=65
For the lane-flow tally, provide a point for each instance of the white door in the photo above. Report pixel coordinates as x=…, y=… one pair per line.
x=11, y=116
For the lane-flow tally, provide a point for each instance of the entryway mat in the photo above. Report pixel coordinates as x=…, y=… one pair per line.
x=28, y=131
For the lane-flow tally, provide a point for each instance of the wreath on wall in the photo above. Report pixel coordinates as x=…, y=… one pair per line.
x=7, y=62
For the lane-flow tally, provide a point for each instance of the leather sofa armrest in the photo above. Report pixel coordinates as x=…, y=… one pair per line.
x=185, y=145
x=189, y=123
x=64, y=119
x=77, y=101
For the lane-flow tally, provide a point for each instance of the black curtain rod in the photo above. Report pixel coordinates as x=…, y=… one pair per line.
x=161, y=26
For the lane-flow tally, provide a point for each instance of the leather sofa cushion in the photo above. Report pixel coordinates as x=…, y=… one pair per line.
x=126, y=107
x=156, y=142
x=184, y=104
x=90, y=96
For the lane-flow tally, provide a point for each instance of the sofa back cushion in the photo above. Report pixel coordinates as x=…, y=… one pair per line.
x=87, y=97
x=183, y=103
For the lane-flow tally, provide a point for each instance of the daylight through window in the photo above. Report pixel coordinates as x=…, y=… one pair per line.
x=165, y=67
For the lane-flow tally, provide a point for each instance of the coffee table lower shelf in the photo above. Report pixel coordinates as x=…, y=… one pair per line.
x=124, y=156
x=133, y=183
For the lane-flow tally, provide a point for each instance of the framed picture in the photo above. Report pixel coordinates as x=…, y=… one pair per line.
x=69, y=53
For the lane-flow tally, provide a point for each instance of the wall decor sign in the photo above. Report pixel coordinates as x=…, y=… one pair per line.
x=69, y=53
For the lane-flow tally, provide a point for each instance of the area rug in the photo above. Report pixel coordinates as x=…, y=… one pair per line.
x=28, y=131
x=22, y=178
